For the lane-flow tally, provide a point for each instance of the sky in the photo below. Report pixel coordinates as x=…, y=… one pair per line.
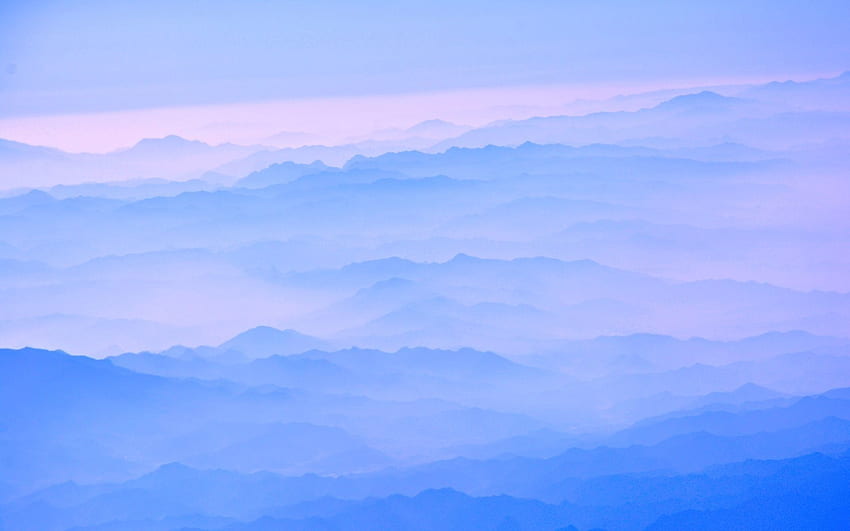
x=93, y=65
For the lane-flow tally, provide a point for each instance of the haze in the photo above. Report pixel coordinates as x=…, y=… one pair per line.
x=424, y=266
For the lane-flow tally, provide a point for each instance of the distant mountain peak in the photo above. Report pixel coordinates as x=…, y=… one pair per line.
x=37, y=195
x=263, y=341
x=436, y=127
x=265, y=332
x=703, y=99
x=465, y=258
x=173, y=140
x=10, y=149
x=170, y=142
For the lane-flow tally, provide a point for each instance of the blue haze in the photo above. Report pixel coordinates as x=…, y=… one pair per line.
x=623, y=319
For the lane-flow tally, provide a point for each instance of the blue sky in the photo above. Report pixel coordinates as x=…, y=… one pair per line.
x=63, y=57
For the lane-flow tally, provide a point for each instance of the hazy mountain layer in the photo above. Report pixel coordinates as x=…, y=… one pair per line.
x=637, y=318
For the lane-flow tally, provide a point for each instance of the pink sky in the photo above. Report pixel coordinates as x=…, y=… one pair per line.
x=327, y=120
